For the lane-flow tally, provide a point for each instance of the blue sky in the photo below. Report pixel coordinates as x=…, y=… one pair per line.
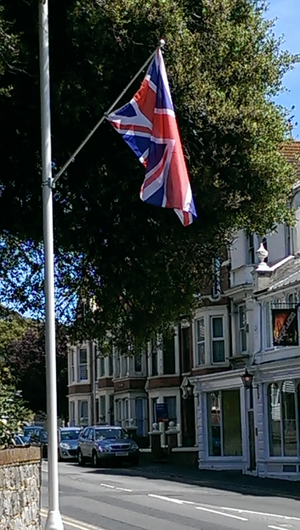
x=288, y=14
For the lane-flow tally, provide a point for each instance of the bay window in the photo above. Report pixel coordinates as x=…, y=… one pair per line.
x=217, y=340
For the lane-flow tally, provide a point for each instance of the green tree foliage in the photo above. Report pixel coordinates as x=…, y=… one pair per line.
x=137, y=263
x=13, y=412
x=12, y=327
x=25, y=359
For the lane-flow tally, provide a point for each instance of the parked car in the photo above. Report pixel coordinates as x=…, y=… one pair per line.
x=37, y=435
x=100, y=444
x=43, y=441
x=21, y=440
x=68, y=442
x=32, y=432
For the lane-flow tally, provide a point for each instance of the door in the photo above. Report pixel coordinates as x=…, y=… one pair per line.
x=251, y=441
x=90, y=443
x=83, y=442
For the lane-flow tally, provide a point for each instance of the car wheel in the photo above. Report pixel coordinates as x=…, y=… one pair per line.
x=95, y=459
x=135, y=460
x=81, y=459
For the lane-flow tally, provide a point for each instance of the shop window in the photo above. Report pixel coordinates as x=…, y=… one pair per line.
x=289, y=419
x=224, y=423
x=284, y=419
x=217, y=340
x=274, y=406
x=214, y=424
x=200, y=341
x=231, y=422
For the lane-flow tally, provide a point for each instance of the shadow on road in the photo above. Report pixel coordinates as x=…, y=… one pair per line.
x=221, y=480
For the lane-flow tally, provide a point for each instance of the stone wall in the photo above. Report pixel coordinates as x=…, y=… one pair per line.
x=20, y=488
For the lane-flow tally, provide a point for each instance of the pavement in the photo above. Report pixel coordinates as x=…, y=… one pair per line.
x=163, y=497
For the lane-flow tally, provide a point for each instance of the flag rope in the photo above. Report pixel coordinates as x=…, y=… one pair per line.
x=72, y=157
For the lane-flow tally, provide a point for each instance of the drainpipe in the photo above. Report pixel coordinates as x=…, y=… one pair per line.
x=93, y=382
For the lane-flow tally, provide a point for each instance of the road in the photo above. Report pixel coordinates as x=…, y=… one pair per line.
x=104, y=499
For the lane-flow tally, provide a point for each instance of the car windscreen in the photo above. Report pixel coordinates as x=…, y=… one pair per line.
x=105, y=434
x=69, y=435
x=31, y=430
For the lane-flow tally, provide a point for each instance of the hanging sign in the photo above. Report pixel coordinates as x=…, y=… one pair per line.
x=285, y=327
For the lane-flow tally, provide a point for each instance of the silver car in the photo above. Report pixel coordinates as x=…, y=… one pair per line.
x=68, y=443
x=100, y=444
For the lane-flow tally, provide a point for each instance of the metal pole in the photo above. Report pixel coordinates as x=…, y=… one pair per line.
x=54, y=520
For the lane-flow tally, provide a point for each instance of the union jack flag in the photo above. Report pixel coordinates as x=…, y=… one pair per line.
x=148, y=125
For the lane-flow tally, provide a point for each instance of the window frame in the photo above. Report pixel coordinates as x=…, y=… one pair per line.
x=250, y=248
x=242, y=329
x=72, y=367
x=199, y=342
x=217, y=339
x=80, y=364
x=80, y=416
x=101, y=366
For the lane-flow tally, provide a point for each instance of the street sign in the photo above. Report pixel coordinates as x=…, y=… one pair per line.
x=161, y=410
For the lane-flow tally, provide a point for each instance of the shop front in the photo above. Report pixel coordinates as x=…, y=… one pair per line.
x=278, y=421
x=222, y=425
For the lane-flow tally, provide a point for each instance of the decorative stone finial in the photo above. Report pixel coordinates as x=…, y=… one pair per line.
x=262, y=254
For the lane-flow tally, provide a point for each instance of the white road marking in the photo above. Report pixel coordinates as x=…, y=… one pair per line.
x=124, y=489
x=250, y=512
x=162, y=498
x=221, y=513
x=276, y=527
x=108, y=486
x=74, y=523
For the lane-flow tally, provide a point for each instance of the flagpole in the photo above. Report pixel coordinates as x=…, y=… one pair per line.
x=54, y=520
x=72, y=157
